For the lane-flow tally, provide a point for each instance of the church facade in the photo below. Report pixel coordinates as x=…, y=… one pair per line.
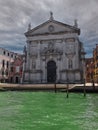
x=53, y=53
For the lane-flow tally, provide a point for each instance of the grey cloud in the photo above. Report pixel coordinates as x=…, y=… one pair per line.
x=15, y=15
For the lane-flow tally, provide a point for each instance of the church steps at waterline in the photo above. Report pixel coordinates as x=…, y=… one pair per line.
x=49, y=87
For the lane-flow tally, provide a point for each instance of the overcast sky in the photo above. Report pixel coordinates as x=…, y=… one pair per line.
x=15, y=15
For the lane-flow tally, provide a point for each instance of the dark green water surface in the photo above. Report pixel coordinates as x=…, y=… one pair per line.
x=48, y=111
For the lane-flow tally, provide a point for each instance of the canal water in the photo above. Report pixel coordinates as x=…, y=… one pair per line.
x=48, y=111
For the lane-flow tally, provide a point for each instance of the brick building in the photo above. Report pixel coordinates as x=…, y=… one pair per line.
x=16, y=70
x=89, y=69
x=95, y=58
x=6, y=57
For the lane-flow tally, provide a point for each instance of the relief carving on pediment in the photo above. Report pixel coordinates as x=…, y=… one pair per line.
x=51, y=50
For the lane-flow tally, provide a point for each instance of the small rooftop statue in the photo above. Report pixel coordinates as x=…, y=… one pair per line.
x=51, y=15
x=75, y=23
x=29, y=26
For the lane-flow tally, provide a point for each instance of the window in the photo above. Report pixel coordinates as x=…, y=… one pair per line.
x=7, y=64
x=70, y=64
x=21, y=69
x=2, y=73
x=96, y=57
x=6, y=73
x=17, y=69
x=3, y=63
x=12, y=55
x=11, y=69
x=4, y=52
x=97, y=72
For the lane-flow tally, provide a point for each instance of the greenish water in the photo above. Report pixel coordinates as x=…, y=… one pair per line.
x=48, y=111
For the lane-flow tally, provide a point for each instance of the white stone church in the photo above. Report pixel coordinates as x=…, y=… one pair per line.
x=53, y=53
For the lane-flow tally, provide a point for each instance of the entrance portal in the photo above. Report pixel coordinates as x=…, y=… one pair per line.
x=51, y=72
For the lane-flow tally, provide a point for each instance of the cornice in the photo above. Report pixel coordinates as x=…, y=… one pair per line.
x=28, y=33
x=70, y=70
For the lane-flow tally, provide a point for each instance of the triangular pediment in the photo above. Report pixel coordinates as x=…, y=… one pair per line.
x=52, y=26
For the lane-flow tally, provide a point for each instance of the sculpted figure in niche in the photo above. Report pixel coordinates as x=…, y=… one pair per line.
x=50, y=45
x=33, y=65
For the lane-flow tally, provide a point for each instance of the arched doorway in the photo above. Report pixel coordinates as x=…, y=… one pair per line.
x=16, y=79
x=51, y=72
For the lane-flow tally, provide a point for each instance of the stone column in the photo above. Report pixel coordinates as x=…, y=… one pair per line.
x=63, y=56
x=38, y=58
x=44, y=76
x=58, y=69
x=29, y=67
x=38, y=67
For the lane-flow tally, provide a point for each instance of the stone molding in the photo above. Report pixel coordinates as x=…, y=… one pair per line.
x=70, y=70
x=33, y=71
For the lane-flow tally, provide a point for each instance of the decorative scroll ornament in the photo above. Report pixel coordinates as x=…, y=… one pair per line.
x=51, y=28
x=70, y=51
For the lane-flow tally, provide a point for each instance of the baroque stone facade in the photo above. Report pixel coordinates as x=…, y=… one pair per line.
x=53, y=53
